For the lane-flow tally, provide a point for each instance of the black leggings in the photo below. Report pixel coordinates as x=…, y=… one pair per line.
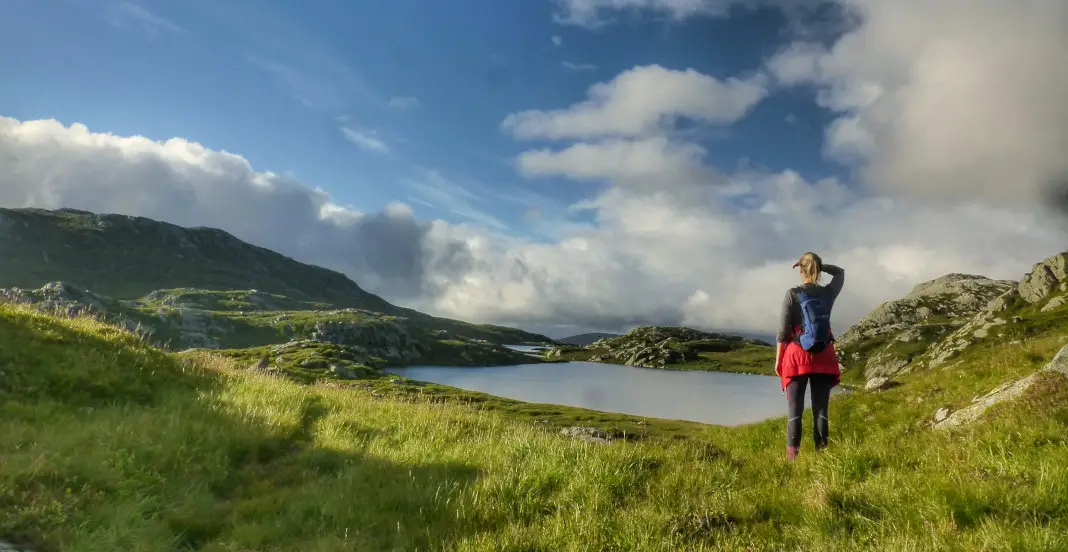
x=795, y=399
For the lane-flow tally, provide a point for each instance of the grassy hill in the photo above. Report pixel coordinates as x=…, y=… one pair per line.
x=111, y=444
x=676, y=349
x=128, y=258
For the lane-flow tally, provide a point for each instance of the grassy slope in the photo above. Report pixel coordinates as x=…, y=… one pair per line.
x=129, y=257
x=108, y=444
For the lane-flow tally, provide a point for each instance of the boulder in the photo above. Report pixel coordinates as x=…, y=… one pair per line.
x=941, y=414
x=590, y=434
x=1055, y=303
x=384, y=339
x=878, y=384
x=1044, y=278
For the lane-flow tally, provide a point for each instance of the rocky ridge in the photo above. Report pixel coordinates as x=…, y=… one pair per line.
x=940, y=318
x=128, y=258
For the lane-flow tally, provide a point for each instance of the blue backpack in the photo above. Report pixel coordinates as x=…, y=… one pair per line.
x=815, y=322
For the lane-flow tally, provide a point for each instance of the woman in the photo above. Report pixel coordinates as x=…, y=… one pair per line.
x=808, y=358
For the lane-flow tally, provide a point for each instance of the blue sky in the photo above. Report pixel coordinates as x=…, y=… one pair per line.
x=277, y=81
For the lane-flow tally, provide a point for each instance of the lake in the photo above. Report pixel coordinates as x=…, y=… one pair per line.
x=706, y=397
x=535, y=349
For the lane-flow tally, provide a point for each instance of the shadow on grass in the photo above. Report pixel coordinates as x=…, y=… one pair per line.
x=108, y=444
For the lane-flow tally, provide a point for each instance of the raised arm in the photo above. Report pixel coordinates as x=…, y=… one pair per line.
x=837, y=278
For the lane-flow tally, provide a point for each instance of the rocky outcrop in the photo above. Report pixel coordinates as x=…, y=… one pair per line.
x=894, y=336
x=953, y=296
x=330, y=360
x=656, y=346
x=1002, y=393
x=61, y=298
x=64, y=299
x=1045, y=278
x=195, y=328
x=386, y=340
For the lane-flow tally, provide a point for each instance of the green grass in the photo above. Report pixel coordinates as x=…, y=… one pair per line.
x=109, y=444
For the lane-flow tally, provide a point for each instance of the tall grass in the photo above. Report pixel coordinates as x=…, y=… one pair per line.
x=108, y=444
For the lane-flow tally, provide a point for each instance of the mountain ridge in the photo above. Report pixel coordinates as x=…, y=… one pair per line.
x=128, y=257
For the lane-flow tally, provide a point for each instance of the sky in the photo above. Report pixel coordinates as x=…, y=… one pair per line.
x=560, y=165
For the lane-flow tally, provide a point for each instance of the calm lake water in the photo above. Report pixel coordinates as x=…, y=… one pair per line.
x=526, y=348
x=707, y=397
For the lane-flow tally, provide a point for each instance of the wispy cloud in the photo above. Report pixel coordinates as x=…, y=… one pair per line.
x=134, y=17
x=403, y=103
x=434, y=190
x=307, y=91
x=557, y=40
x=295, y=55
x=578, y=66
x=365, y=139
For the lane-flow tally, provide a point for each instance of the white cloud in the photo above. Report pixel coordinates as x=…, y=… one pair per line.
x=49, y=165
x=403, y=103
x=671, y=253
x=945, y=100
x=557, y=41
x=638, y=101
x=578, y=66
x=365, y=139
x=649, y=162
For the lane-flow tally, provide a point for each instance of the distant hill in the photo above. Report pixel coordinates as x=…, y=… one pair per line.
x=674, y=348
x=585, y=339
x=127, y=258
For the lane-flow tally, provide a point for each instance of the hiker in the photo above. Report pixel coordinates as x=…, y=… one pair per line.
x=804, y=354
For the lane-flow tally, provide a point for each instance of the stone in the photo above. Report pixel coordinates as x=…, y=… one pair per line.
x=878, y=384
x=941, y=414
x=909, y=335
x=884, y=366
x=590, y=434
x=1054, y=303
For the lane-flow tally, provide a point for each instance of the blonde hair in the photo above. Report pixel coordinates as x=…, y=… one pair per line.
x=811, y=266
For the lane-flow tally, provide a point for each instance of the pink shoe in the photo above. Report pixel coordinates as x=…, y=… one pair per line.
x=791, y=453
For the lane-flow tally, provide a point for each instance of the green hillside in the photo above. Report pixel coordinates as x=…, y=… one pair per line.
x=128, y=258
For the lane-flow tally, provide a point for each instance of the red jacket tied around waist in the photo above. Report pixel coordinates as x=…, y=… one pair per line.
x=796, y=361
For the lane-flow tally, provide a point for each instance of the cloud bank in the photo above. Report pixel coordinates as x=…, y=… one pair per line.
x=950, y=115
